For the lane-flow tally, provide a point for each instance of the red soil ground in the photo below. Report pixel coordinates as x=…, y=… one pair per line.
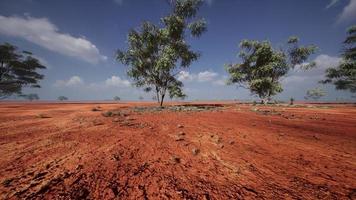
x=68, y=151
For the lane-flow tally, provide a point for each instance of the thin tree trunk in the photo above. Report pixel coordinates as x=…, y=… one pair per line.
x=157, y=95
x=162, y=97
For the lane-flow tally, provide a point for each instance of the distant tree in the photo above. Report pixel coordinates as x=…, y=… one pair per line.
x=62, y=98
x=157, y=52
x=315, y=94
x=140, y=98
x=262, y=66
x=291, y=102
x=17, y=70
x=344, y=75
x=116, y=98
x=30, y=97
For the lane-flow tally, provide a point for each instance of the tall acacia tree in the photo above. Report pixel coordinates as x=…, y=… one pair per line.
x=263, y=66
x=17, y=70
x=344, y=75
x=156, y=53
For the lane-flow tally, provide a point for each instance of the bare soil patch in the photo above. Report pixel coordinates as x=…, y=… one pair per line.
x=182, y=151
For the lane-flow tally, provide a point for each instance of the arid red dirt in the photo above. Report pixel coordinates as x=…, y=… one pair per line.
x=69, y=151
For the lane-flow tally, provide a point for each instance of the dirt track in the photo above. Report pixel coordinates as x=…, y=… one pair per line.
x=68, y=151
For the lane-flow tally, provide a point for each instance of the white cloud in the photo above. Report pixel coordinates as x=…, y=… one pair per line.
x=348, y=13
x=116, y=81
x=332, y=3
x=185, y=76
x=315, y=74
x=220, y=82
x=73, y=81
x=45, y=34
x=206, y=76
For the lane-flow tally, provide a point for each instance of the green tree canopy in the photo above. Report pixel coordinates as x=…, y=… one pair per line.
x=62, y=98
x=117, y=98
x=157, y=52
x=17, y=70
x=315, y=94
x=262, y=66
x=344, y=75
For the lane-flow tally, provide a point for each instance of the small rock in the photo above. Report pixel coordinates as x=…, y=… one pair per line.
x=181, y=133
x=98, y=123
x=179, y=138
x=180, y=126
x=232, y=142
x=116, y=120
x=176, y=159
x=221, y=146
x=195, y=151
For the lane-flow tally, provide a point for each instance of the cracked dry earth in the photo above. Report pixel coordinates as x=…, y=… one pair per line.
x=72, y=151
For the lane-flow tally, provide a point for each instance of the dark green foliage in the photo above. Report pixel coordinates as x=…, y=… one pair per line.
x=62, y=98
x=344, y=75
x=262, y=66
x=156, y=53
x=17, y=70
x=30, y=97
x=291, y=101
x=116, y=98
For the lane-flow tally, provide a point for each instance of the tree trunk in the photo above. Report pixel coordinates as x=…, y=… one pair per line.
x=264, y=101
x=161, y=103
x=157, y=95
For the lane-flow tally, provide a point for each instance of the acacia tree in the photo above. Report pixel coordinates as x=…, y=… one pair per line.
x=315, y=94
x=17, y=70
x=344, y=75
x=157, y=52
x=263, y=66
x=62, y=98
x=116, y=98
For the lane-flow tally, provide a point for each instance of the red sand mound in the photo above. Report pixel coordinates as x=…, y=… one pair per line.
x=72, y=151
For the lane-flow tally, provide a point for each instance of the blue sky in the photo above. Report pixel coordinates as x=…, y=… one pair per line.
x=77, y=40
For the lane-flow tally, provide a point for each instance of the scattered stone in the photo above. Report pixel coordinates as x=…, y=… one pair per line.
x=180, y=126
x=179, y=138
x=79, y=167
x=116, y=119
x=232, y=142
x=181, y=133
x=43, y=116
x=175, y=159
x=221, y=146
x=96, y=109
x=195, y=151
x=98, y=123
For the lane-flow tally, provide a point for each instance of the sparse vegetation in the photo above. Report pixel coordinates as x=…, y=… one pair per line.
x=344, y=75
x=117, y=98
x=95, y=109
x=156, y=52
x=62, y=98
x=31, y=97
x=315, y=94
x=17, y=70
x=262, y=66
